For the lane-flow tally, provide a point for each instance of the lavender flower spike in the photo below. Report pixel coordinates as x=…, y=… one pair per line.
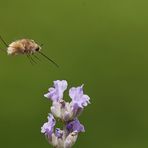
x=78, y=97
x=67, y=113
x=56, y=93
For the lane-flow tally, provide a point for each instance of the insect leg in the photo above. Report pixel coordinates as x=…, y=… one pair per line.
x=36, y=57
x=32, y=59
x=4, y=42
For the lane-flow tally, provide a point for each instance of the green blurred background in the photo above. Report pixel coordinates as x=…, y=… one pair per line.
x=101, y=43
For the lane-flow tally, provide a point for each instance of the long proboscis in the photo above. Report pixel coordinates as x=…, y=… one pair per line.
x=4, y=42
x=48, y=58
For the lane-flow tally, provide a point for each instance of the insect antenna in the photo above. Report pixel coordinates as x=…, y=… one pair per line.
x=48, y=58
x=4, y=42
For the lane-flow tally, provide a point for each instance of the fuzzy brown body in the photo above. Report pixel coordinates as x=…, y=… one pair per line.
x=26, y=47
x=23, y=46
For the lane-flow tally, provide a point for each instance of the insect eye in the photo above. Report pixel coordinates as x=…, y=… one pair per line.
x=37, y=49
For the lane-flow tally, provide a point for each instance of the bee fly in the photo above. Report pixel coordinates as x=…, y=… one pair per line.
x=26, y=47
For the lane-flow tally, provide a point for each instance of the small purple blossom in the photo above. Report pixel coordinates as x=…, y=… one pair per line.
x=56, y=93
x=75, y=126
x=58, y=133
x=76, y=109
x=48, y=127
x=78, y=97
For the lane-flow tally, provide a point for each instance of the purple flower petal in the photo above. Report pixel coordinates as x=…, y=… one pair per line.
x=75, y=126
x=58, y=133
x=78, y=97
x=76, y=110
x=56, y=93
x=48, y=127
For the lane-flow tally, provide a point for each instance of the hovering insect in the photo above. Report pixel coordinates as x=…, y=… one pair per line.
x=26, y=47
